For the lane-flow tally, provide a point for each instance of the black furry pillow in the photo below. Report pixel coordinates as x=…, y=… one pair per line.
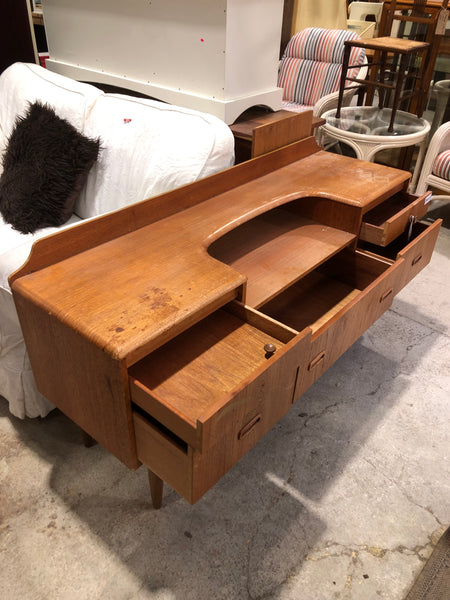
x=46, y=164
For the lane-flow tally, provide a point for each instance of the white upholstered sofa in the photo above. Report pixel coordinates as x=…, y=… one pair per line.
x=148, y=148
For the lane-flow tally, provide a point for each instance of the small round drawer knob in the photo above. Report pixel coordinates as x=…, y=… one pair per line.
x=269, y=349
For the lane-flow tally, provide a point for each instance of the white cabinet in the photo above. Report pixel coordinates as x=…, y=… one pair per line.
x=216, y=56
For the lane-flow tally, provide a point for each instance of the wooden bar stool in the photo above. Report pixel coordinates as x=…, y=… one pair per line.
x=422, y=21
x=396, y=61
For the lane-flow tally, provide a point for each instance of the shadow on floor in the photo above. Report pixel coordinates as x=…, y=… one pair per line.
x=439, y=209
x=257, y=525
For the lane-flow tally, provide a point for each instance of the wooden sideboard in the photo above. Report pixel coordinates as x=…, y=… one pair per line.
x=177, y=331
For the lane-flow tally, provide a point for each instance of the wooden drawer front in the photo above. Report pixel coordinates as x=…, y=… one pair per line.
x=336, y=335
x=164, y=456
x=418, y=252
x=236, y=427
x=204, y=371
x=415, y=253
x=390, y=219
x=227, y=433
x=180, y=382
x=176, y=422
x=192, y=441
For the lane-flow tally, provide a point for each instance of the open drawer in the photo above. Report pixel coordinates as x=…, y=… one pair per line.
x=415, y=246
x=338, y=302
x=387, y=221
x=202, y=400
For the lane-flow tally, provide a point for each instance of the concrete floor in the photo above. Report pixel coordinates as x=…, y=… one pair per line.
x=343, y=499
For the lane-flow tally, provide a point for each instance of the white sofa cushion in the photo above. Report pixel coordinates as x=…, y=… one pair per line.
x=149, y=147
x=22, y=83
x=15, y=247
x=16, y=377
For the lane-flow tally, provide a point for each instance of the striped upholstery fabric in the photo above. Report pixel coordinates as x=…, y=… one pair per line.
x=312, y=63
x=441, y=167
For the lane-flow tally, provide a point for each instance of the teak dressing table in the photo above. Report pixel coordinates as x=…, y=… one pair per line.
x=177, y=331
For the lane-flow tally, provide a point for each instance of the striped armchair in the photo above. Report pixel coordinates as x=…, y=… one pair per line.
x=435, y=170
x=310, y=69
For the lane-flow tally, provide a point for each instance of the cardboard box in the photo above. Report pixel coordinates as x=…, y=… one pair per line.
x=364, y=29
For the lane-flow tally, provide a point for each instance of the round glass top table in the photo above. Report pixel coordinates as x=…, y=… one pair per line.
x=365, y=129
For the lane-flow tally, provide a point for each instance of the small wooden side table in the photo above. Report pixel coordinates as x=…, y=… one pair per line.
x=259, y=130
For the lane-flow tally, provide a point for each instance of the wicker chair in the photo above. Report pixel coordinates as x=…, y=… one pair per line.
x=435, y=170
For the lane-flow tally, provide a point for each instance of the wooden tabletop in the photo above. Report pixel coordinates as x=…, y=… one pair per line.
x=390, y=44
x=133, y=293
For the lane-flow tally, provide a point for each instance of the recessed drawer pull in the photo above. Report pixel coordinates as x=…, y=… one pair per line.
x=317, y=360
x=416, y=260
x=386, y=294
x=247, y=428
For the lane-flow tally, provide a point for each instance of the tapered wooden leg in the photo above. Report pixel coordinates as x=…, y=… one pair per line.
x=156, y=489
x=88, y=441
